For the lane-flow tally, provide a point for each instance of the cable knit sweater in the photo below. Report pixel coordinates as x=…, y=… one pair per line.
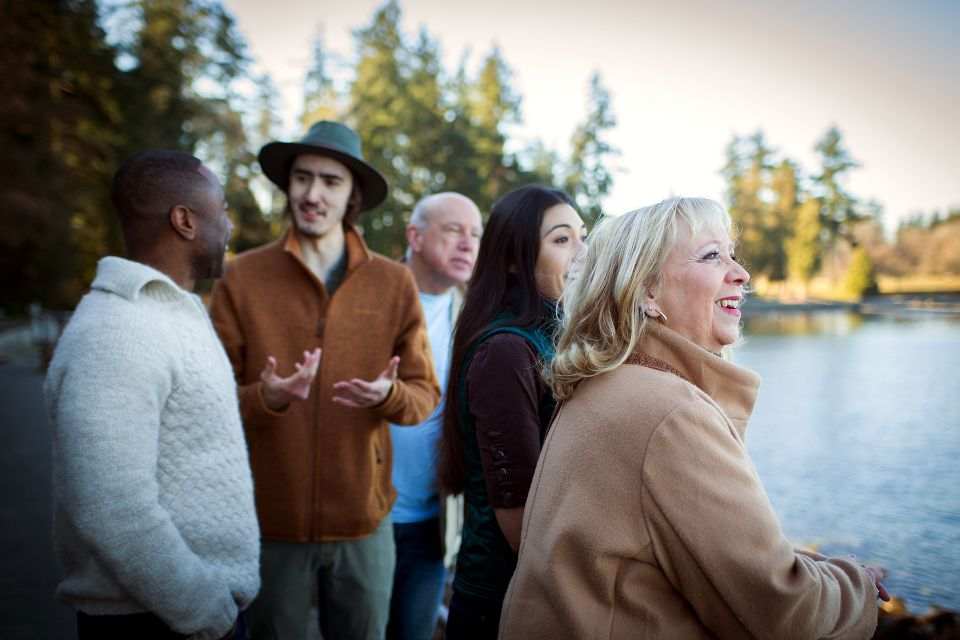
x=152, y=488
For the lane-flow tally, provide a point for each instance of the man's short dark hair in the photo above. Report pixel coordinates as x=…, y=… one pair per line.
x=151, y=182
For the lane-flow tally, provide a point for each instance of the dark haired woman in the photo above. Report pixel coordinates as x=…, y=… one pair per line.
x=498, y=408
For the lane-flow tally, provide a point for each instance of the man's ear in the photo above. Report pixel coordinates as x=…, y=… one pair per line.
x=183, y=221
x=414, y=238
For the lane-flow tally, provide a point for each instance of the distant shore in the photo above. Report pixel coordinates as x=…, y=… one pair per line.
x=900, y=305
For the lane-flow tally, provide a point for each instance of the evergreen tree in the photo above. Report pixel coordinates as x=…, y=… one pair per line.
x=840, y=209
x=803, y=246
x=426, y=124
x=860, y=278
x=780, y=216
x=184, y=93
x=267, y=125
x=733, y=172
x=493, y=106
x=590, y=179
x=60, y=127
x=320, y=99
x=378, y=112
x=748, y=172
x=456, y=162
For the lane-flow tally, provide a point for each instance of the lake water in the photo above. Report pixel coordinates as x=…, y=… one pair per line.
x=856, y=436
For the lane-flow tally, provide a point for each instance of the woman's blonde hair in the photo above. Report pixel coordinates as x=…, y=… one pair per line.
x=602, y=307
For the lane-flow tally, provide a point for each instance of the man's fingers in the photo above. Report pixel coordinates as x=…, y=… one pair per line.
x=364, y=387
x=347, y=402
x=390, y=372
x=269, y=369
x=356, y=390
x=314, y=359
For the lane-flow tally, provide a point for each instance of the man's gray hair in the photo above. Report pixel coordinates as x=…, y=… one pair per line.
x=420, y=217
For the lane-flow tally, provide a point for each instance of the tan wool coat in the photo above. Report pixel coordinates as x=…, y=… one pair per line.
x=646, y=518
x=321, y=470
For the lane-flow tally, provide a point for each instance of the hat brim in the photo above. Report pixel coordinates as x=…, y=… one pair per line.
x=276, y=158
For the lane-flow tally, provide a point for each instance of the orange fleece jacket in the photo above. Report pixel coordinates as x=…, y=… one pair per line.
x=321, y=470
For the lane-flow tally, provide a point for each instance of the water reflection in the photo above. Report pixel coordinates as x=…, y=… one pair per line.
x=856, y=436
x=840, y=322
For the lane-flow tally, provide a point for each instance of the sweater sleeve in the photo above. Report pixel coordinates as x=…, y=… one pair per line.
x=719, y=542
x=226, y=320
x=505, y=388
x=415, y=393
x=105, y=400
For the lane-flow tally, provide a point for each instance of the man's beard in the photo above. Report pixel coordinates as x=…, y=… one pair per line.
x=209, y=266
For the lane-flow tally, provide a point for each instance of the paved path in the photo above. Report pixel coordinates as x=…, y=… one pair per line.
x=28, y=570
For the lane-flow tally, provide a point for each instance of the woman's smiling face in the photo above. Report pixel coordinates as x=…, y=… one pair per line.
x=562, y=242
x=701, y=288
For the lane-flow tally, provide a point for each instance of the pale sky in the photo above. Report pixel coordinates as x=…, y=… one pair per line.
x=685, y=75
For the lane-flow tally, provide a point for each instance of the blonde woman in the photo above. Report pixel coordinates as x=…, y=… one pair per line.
x=646, y=518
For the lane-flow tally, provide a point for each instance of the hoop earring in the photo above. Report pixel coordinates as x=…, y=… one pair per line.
x=659, y=315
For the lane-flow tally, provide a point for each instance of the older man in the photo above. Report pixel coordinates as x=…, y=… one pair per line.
x=443, y=238
x=154, y=516
x=317, y=430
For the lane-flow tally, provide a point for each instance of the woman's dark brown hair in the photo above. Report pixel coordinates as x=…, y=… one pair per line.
x=503, y=279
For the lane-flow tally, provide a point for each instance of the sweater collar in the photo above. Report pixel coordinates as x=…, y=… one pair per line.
x=732, y=387
x=356, y=248
x=128, y=279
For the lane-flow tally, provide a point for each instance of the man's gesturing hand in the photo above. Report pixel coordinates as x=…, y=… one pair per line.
x=279, y=392
x=360, y=394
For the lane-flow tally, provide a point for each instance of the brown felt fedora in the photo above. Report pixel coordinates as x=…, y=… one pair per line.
x=325, y=138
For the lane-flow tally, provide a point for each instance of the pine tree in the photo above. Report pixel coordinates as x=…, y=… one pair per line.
x=60, y=126
x=860, y=278
x=840, y=209
x=377, y=108
x=426, y=125
x=780, y=216
x=748, y=171
x=183, y=87
x=320, y=99
x=803, y=246
x=590, y=179
x=456, y=161
x=267, y=124
x=493, y=107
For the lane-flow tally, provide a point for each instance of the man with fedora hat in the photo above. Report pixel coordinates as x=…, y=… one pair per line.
x=329, y=345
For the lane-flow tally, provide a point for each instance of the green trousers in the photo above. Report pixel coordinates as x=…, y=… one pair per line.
x=349, y=580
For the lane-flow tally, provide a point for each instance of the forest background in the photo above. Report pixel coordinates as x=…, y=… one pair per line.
x=178, y=74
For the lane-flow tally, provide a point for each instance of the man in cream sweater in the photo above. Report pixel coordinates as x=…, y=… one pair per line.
x=154, y=517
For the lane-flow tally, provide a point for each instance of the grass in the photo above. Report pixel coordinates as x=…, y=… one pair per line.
x=919, y=284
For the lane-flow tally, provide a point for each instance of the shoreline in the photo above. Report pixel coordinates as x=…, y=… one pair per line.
x=898, y=305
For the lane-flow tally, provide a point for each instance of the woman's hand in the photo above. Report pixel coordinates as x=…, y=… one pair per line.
x=877, y=574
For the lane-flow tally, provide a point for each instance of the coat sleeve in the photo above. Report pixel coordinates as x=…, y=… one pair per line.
x=104, y=402
x=415, y=394
x=226, y=320
x=720, y=543
x=502, y=383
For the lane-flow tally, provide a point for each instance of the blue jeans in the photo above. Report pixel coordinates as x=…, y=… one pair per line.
x=417, y=581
